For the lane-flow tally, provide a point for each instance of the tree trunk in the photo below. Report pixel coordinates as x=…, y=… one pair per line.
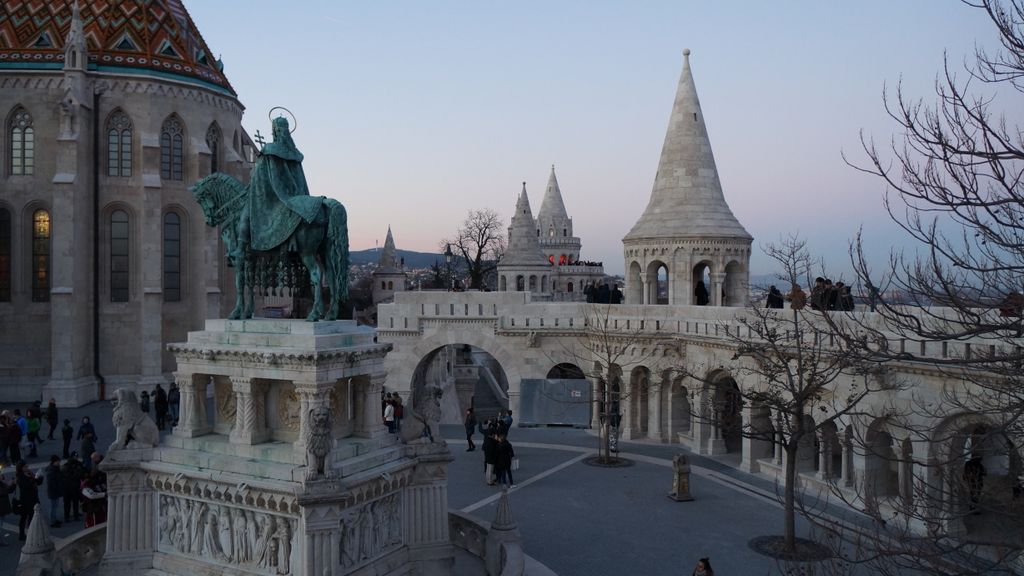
x=789, y=501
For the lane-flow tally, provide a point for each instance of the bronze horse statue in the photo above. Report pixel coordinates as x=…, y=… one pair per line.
x=322, y=245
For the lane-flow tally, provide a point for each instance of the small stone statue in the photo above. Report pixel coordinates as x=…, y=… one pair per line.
x=680, y=479
x=135, y=429
x=318, y=442
x=427, y=410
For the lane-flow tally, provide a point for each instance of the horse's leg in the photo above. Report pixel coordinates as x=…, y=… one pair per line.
x=250, y=288
x=239, y=289
x=313, y=267
x=332, y=280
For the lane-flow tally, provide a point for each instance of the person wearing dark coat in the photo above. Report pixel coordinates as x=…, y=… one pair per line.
x=67, y=432
x=774, y=299
x=489, y=452
x=6, y=489
x=604, y=294
x=73, y=474
x=616, y=295
x=701, y=292
x=503, y=461
x=86, y=428
x=54, y=488
x=160, y=404
x=88, y=447
x=28, y=496
x=51, y=417
x=470, y=424
x=13, y=440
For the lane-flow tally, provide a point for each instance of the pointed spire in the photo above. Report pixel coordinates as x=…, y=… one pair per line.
x=552, y=207
x=388, y=261
x=687, y=199
x=76, y=51
x=523, y=248
x=503, y=515
x=38, y=546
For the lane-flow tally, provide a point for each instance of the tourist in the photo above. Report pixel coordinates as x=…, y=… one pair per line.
x=14, y=435
x=507, y=421
x=873, y=296
x=503, y=455
x=818, y=294
x=616, y=297
x=144, y=401
x=88, y=447
x=67, y=432
x=73, y=473
x=774, y=299
x=32, y=426
x=51, y=417
x=399, y=411
x=4, y=434
x=701, y=293
x=6, y=489
x=54, y=489
x=470, y=424
x=173, y=402
x=94, y=493
x=389, y=414
x=160, y=404
x=28, y=496
x=846, y=299
x=703, y=568
x=490, y=453
x=604, y=295
x=85, y=429
x=797, y=298
x=830, y=295
x=974, y=477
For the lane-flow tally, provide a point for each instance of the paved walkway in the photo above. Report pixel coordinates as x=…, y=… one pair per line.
x=577, y=519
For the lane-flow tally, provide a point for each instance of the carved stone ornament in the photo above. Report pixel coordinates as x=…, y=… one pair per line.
x=225, y=400
x=135, y=429
x=370, y=531
x=226, y=534
x=318, y=441
x=288, y=408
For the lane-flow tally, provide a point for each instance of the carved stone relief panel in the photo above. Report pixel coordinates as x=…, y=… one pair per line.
x=222, y=534
x=371, y=531
x=224, y=401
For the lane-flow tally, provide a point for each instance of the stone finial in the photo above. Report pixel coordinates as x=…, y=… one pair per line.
x=37, y=555
x=503, y=515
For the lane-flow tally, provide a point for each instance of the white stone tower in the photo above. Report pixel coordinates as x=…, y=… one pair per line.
x=389, y=277
x=524, y=267
x=687, y=232
x=554, y=227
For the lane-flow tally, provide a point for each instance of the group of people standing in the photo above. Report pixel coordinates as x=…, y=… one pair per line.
x=166, y=403
x=393, y=412
x=824, y=296
x=499, y=456
x=16, y=429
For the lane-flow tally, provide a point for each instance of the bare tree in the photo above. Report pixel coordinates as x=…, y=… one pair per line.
x=801, y=384
x=479, y=243
x=954, y=180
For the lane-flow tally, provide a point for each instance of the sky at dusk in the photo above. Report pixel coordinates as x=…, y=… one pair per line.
x=412, y=113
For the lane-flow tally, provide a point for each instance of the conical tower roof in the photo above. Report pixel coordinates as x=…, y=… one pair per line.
x=687, y=199
x=388, y=262
x=523, y=248
x=552, y=206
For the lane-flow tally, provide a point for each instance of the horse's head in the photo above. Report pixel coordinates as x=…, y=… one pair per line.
x=218, y=195
x=202, y=192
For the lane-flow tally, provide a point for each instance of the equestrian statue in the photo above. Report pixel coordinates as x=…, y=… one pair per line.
x=266, y=224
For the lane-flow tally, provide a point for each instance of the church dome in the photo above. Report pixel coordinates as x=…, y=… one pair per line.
x=147, y=37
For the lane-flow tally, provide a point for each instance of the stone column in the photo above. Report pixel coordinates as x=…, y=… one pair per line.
x=654, y=410
x=370, y=423
x=751, y=446
x=717, y=282
x=846, y=470
x=824, y=456
x=249, y=427
x=131, y=519
x=192, y=419
x=595, y=403
x=308, y=397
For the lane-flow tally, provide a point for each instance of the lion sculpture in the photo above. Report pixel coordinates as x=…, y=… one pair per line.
x=135, y=429
x=318, y=442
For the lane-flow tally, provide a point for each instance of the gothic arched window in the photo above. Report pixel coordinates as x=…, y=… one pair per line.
x=22, y=143
x=172, y=257
x=41, y=256
x=213, y=142
x=172, y=143
x=5, y=255
x=119, y=256
x=119, y=145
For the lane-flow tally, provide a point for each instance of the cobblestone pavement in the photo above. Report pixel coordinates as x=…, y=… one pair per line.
x=574, y=518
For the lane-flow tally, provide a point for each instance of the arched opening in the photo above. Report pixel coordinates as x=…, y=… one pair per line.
x=569, y=286
x=734, y=288
x=502, y=284
x=830, y=451
x=562, y=260
x=701, y=279
x=391, y=285
x=727, y=414
x=565, y=371
x=657, y=283
x=807, y=447
x=467, y=376
x=544, y=284
x=881, y=462
x=533, y=283
x=680, y=413
x=639, y=396
x=520, y=283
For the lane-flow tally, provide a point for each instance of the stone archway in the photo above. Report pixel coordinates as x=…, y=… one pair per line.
x=634, y=284
x=467, y=376
x=725, y=414
x=735, y=288
x=657, y=286
x=701, y=278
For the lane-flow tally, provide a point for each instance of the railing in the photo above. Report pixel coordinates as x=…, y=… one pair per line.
x=82, y=550
x=470, y=534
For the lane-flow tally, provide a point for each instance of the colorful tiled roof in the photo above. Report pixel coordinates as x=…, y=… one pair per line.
x=133, y=36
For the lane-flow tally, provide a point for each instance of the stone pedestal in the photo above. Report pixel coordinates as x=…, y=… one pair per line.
x=680, y=479
x=237, y=495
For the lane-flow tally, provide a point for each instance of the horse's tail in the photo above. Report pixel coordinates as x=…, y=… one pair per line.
x=337, y=249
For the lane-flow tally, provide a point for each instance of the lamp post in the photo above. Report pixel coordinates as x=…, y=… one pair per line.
x=448, y=264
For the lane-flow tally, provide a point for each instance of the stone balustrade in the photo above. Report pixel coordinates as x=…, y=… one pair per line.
x=82, y=550
x=470, y=534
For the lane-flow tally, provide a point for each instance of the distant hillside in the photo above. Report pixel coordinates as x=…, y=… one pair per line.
x=412, y=259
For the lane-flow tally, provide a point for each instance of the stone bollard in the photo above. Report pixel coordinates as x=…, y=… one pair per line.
x=680, y=479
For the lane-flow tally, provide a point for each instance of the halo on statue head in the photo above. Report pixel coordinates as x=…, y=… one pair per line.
x=293, y=122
